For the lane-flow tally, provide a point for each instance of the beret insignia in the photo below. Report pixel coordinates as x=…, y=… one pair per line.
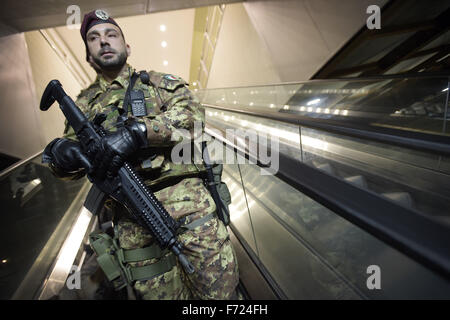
x=101, y=14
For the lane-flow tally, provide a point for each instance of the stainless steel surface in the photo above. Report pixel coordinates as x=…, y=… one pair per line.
x=254, y=281
x=38, y=276
x=295, y=267
x=313, y=253
x=56, y=279
x=239, y=214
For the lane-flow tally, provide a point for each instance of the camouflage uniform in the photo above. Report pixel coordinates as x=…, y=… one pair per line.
x=184, y=195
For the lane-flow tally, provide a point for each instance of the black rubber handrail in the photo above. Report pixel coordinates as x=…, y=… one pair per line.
x=410, y=232
x=438, y=144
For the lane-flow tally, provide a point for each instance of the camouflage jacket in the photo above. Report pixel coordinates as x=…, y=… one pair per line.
x=170, y=106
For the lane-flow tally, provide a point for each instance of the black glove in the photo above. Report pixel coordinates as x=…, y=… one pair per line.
x=116, y=147
x=66, y=155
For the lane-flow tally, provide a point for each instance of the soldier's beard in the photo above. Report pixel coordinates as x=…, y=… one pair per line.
x=111, y=64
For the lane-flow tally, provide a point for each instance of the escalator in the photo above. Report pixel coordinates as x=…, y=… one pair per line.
x=39, y=212
x=381, y=197
x=325, y=185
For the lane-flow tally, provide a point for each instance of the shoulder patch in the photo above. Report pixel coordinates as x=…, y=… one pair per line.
x=172, y=77
x=171, y=82
x=166, y=81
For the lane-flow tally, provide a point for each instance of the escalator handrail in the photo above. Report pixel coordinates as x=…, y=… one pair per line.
x=428, y=142
x=381, y=77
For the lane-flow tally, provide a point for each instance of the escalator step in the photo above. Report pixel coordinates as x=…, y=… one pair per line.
x=359, y=181
x=403, y=198
x=324, y=167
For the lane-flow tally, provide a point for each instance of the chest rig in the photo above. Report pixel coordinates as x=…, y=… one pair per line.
x=134, y=99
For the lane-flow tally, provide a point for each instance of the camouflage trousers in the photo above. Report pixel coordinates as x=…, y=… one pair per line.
x=207, y=247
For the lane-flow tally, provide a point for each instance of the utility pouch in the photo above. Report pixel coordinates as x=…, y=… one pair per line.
x=105, y=249
x=222, y=187
x=219, y=190
x=115, y=261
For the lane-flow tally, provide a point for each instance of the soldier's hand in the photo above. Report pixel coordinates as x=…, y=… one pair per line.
x=116, y=147
x=66, y=155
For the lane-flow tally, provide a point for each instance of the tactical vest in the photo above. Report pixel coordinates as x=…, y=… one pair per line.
x=158, y=169
x=155, y=165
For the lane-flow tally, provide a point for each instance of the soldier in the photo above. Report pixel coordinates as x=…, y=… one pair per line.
x=160, y=104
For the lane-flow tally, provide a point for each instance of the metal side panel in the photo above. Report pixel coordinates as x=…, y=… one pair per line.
x=312, y=253
x=238, y=209
x=63, y=244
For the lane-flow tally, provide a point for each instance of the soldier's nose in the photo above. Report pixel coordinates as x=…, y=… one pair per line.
x=103, y=42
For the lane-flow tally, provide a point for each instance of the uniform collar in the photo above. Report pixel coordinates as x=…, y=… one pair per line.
x=121, y=81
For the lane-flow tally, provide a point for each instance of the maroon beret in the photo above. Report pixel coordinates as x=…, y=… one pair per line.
x=91, y=19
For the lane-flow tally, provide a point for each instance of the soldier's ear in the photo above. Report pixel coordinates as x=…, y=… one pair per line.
x=91, y=61
x=128, y=50
x=93, y=64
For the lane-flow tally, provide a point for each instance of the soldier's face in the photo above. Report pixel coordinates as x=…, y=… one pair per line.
x=107, y=47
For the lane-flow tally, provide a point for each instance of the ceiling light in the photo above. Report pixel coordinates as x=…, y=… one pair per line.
x=165, y=62
x=162, y=27
x=164, y=44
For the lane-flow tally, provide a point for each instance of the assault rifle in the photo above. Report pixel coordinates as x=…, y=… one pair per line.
x=127, y=187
